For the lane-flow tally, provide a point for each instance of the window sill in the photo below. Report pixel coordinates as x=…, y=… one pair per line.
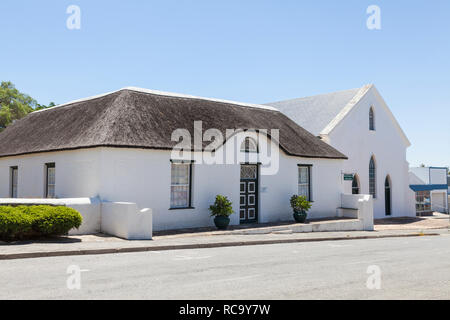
x=187, y=208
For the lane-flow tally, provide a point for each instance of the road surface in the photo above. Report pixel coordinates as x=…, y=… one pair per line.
x=409, y=268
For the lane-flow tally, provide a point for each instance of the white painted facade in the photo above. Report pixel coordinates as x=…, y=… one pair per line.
x=349, y=133
x=387, y=144
x=143, y=177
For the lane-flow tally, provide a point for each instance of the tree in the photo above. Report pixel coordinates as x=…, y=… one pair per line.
x=15, y=105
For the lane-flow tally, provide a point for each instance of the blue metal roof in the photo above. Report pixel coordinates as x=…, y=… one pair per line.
x=428, y=187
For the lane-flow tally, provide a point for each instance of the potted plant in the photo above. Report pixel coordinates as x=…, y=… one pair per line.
x=300, y=205
x=221, y=210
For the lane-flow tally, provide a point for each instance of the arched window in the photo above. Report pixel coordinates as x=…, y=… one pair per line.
x=388, y=196
x=249, y=145
x=371, y=119
x=355, y=185
x=372, y=178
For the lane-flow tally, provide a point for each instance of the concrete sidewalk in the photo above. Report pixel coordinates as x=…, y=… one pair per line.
x=101, y=244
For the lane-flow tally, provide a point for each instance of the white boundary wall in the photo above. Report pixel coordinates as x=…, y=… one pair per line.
x=123, y=220
x=364, y=204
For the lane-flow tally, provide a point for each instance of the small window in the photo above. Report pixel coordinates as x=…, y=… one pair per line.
x=372, y=178
x=180, y=188
x=50, y=170
x=249, y=145
x=355, y=185
x=14, y=181
x=371, y=119
x=304, y=181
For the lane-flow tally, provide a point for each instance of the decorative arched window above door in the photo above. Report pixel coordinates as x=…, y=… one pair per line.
x=249, y=145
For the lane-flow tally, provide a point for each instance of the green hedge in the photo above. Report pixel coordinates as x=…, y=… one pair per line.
x=28, y=222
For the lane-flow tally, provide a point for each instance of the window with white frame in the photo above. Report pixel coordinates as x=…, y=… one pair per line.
x=50, y=170
x=180, y=188
x=14, y=181
x=304, y=181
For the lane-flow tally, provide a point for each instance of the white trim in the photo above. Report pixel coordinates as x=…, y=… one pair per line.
x=163, y=93
x=346, y=110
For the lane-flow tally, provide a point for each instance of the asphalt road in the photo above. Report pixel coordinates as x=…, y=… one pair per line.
x=411, y=268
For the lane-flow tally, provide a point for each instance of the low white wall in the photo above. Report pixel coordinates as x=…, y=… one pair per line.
x=125, y=220
x=364, y=204
x=90, y=209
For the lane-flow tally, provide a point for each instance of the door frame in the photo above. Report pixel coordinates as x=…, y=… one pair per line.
x=256, y=219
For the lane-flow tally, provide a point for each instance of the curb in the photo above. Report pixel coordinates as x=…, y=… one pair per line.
x=43, y=254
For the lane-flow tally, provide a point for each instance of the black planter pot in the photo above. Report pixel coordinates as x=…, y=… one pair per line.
x=300, y=216
x=222, y=222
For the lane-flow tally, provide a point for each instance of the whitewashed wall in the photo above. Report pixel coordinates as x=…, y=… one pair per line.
x=77, y=174
x=353, y=137
x=438, y=176
x=143, y=177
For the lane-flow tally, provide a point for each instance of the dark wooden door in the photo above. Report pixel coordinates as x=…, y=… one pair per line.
x=249, y=194
x=388, y=196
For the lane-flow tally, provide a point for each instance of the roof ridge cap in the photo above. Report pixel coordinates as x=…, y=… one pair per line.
x=161, y=93
x=315, y=95
x=181, y=95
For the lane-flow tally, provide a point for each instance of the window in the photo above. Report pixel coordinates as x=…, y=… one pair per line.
x=355, y=185
x=423, y=201
x=50, y=180
x=304, y=181
x=180, y=188
x=249, y=145
x=14, y=181
x=371, y=119
x=372, y=178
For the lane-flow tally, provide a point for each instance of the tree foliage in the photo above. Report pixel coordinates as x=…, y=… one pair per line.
x=15, y=105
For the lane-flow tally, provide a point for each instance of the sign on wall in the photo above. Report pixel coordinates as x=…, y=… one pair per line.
x=348, y=176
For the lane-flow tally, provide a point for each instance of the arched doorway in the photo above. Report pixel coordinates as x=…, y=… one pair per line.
x=373, y=177
x=388, y=196
x=355, y=184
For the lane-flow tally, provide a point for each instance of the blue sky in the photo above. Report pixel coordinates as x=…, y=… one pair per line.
x=251, y=51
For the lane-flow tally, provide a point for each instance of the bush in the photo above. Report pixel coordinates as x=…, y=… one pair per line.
x=27, y=222
x=221, y=207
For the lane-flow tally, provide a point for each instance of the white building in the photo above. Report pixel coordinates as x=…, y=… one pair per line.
x=359, y=123
x=431, y=188
x=118, y=147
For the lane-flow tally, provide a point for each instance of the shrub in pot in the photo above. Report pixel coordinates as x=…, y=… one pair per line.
x=221, y=210
x=300, y=205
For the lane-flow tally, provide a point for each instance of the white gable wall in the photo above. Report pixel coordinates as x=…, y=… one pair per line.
x=352, y=137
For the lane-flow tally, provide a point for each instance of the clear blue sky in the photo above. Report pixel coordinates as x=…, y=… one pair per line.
x=249, y=50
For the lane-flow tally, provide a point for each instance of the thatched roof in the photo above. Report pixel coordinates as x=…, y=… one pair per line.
x=144, y=119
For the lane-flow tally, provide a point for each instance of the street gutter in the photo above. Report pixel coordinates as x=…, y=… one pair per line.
x=81, y=252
